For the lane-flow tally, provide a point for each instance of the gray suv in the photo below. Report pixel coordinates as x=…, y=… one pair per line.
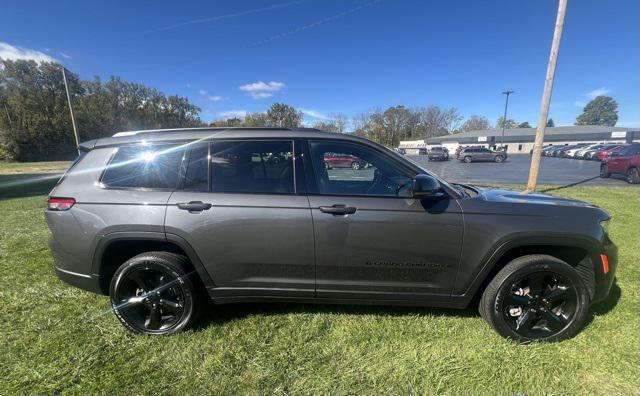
x=165, y=221
x=481, y=154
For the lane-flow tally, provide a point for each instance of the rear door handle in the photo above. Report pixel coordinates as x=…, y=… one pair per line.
x=337, y=210
x=194, y=206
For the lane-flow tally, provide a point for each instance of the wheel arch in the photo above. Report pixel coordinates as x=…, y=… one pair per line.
x=578, y=252
x=114, y=249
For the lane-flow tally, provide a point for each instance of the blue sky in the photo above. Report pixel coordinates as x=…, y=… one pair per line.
x=344, y=56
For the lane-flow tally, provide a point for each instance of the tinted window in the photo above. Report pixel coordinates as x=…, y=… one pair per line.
x=252, y=167
x=197, y=172
x=343, y=168
x=144, y=167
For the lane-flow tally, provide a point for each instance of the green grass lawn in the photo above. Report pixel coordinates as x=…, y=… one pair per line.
x=12, y=168
x=57, y=339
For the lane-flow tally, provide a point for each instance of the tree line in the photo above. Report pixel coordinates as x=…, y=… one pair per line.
x=35, y=124
x=34, y=115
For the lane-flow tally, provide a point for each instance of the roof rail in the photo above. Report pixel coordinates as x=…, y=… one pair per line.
x=132, y=133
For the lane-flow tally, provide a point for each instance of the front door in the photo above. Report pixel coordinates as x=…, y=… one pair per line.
x=373, y=241
x=241, y=211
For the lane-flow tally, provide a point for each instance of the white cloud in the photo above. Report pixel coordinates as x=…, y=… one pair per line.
x=316, y=114
x=203, y=92
x=10, y=52
x=65, y=56
x=579, y=103
x=261, y=89
x=598, y=92
x=232, y=114
x=215, y=98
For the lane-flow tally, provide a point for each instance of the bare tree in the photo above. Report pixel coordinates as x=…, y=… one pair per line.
x=475, y=123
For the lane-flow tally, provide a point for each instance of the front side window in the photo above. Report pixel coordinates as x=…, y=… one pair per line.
x=143, y=166
x=344, y=168
x=252, y=167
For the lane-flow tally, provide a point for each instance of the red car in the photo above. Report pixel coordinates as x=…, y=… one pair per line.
x=625, y=161
x=604, y=154
x=338, y=160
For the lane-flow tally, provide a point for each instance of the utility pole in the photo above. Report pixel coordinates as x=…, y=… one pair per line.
x=546, y=98
x=73, y=119
x=504, y=119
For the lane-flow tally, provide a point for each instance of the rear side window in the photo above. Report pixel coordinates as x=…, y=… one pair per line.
x=153, y=167
x=252, y=167
x=197, y=173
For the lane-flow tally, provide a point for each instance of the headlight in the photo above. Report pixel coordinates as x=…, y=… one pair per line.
x=605, y=225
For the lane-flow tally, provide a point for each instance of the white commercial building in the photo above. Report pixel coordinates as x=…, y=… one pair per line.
x=520, y=140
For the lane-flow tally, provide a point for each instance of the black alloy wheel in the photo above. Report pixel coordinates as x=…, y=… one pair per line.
x=151, y=293
x=540, y=304
x=536, y=298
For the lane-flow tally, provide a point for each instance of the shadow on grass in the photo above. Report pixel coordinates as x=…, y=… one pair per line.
x=27, y=185
x=219, y=314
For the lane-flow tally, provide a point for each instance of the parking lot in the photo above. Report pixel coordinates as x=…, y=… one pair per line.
x=553, y=171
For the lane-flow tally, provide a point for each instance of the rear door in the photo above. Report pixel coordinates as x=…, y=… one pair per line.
x=373, y=241
x=243, y=210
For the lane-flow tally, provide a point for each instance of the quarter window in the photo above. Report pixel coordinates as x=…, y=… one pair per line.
x=252, y=167
x=352, y=169
x=154, y=167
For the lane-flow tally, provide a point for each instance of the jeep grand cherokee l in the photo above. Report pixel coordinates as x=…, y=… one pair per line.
x=161, y=221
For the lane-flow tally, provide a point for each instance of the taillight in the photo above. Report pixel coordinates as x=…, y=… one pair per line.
x=60, y=204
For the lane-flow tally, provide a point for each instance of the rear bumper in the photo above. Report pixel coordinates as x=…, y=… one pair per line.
x=604, y=281
x=64, y=265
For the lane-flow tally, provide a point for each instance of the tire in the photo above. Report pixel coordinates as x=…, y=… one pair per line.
x=355, y=165
x=633, y=176
x=498, y=158
x=551, y=313
x=152, y=293
x=467, y=159
x=604, y=171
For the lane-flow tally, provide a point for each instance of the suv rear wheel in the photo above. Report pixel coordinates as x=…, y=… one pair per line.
x=536, y=297
x=467, y=159
x=152, y=293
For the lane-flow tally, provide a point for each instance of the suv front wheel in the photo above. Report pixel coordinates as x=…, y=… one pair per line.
x=536, y=297
x=153, y=294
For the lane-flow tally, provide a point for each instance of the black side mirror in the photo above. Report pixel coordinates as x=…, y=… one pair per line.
x=425, y=186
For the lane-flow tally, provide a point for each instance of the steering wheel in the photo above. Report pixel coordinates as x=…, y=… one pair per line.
x=380, y=180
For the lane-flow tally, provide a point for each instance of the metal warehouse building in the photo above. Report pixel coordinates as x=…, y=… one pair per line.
x=520, y=140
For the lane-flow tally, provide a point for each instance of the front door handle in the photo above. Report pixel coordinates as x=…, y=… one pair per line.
x=338, y=210
x=194, y=206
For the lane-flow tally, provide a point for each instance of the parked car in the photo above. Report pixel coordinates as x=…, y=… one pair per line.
x=602, y=155
x=556, y=152
x=547, y=151
x=571, y=153
x=340, y=160
x=591, y=152
x=438, y=153
x=163, y=221
x=481, y=154
x=625, y=161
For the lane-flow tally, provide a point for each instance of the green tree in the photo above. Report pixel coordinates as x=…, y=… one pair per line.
x=509, y=123
x=255, y=120
x=602, y=110
x=283, y=116
x=550, y=123
x=524, y=125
